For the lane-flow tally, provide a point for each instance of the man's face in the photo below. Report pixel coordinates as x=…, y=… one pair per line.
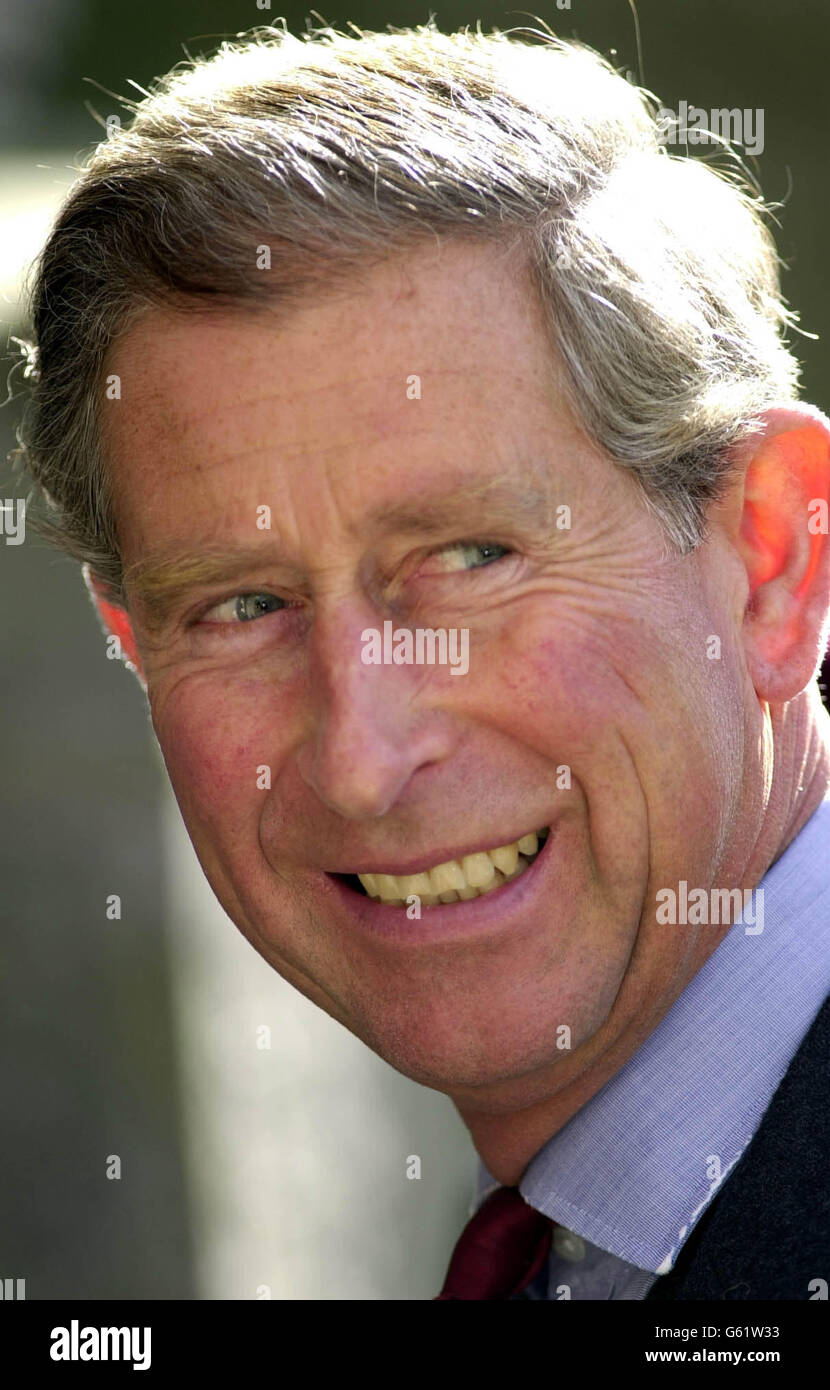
x=589, y=706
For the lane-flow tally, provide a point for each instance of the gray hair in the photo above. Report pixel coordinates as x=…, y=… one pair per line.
x=657, y=274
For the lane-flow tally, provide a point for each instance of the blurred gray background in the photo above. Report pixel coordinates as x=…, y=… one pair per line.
x=244, y=1172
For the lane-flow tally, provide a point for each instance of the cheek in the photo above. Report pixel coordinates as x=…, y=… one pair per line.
x=218, y=742
x=555, y=674
x=633, y=711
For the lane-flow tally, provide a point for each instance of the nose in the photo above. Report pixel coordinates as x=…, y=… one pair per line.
x=370, y=732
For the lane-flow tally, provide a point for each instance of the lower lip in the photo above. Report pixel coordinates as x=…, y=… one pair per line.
x=503, y=909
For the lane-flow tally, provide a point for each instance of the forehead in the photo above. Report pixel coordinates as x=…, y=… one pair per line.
x=454, y=298
x=429, y=363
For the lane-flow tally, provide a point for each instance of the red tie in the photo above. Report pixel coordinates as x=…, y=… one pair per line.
x=501, y=1249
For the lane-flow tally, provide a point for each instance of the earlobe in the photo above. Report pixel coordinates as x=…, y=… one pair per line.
x=115, y=621
x=784, y=545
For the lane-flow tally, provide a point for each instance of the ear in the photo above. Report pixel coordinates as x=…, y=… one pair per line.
x=780, y=530
x=115, y=621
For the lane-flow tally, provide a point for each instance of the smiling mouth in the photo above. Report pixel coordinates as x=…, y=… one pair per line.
x=458, y=880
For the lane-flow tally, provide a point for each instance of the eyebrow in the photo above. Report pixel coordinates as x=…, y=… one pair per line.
x=157, y=585
x=500, y=498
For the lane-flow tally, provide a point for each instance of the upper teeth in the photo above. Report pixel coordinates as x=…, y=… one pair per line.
x=458, y=878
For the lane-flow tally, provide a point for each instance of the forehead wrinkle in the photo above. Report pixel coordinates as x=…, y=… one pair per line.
x=289, y=449
x=278, y=394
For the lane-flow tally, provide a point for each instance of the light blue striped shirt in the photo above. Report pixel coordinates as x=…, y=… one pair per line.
x=633, y=1171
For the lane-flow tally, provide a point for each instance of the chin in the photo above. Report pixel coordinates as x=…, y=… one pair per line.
x=514, y=1064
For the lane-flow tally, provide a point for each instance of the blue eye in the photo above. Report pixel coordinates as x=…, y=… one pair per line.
x=249, y=606
x=468, y=555
x=489, y=553
x=243, y=608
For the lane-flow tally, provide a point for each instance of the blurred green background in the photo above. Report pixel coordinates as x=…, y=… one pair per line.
x=105, y=1027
